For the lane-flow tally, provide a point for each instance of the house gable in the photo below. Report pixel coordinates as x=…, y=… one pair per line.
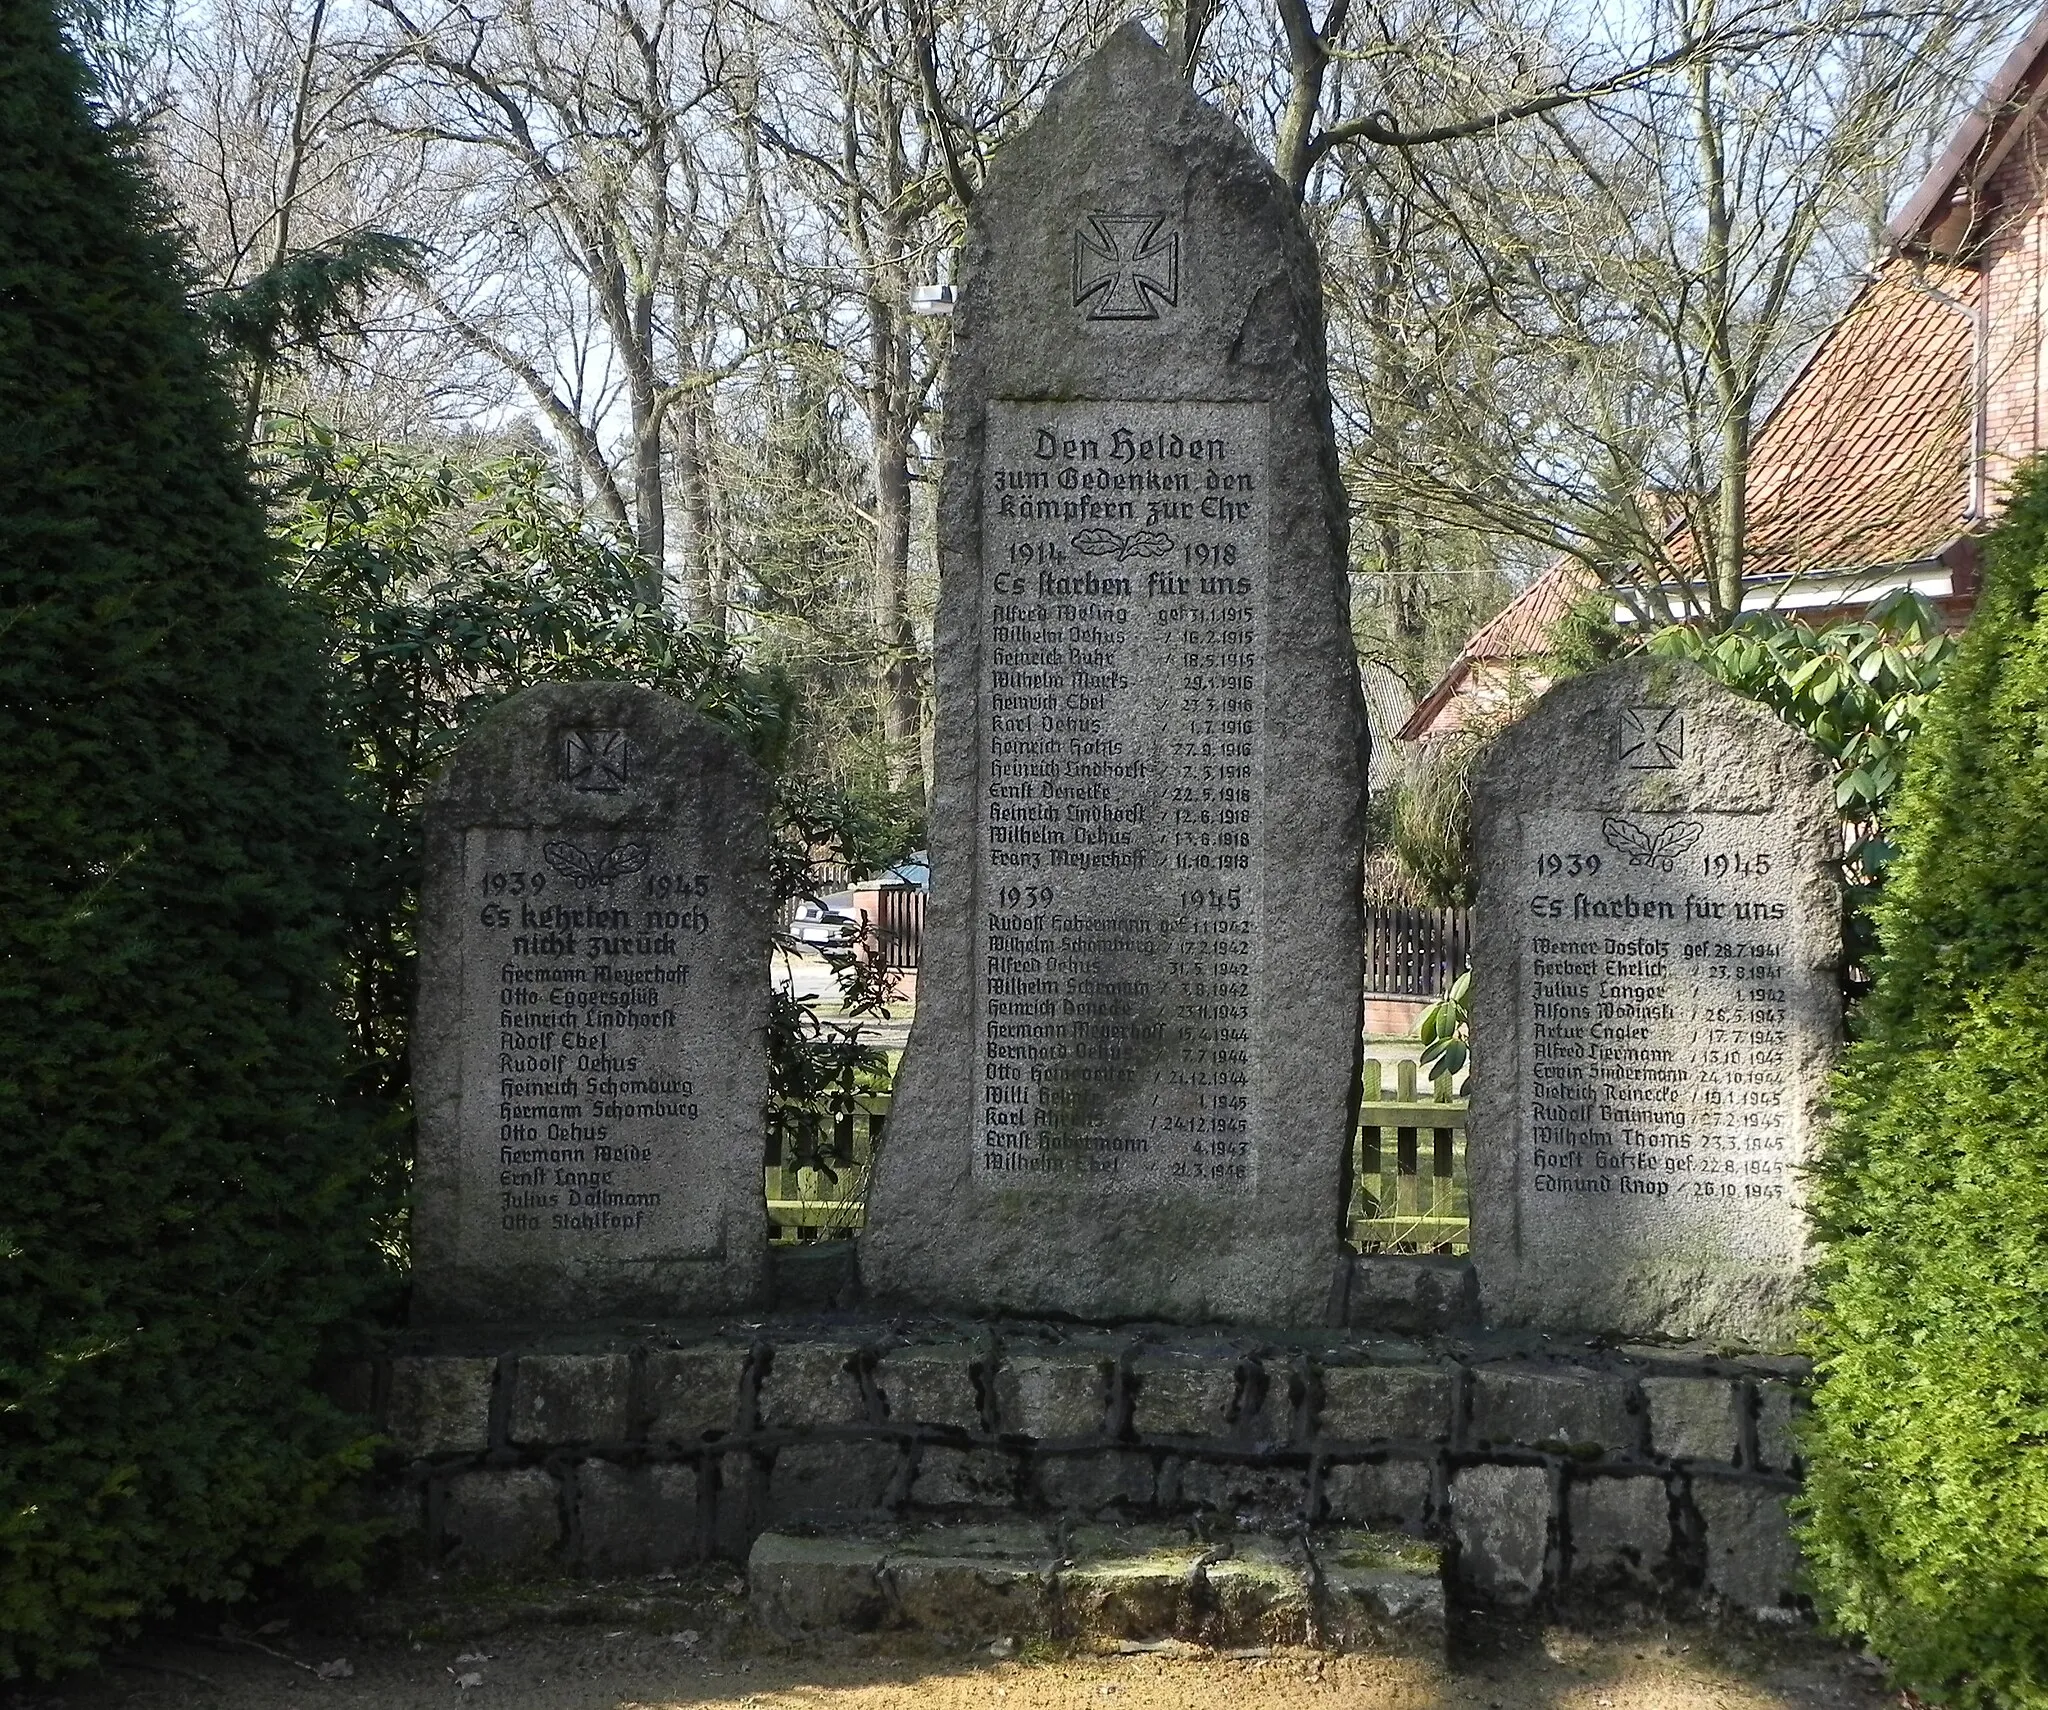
x=1889, y=451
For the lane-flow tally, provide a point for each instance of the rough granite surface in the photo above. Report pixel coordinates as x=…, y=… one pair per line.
x=1134, y=268
x=590, y=1049
x=1656, y=1005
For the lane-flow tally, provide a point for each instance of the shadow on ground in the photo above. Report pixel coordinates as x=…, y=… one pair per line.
x=684, y=1644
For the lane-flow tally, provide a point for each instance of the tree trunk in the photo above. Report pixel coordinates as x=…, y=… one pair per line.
x=1308, y=60
x=703, y=564
x=650, y=507
x=895, y=641
x=1187, y=23
x=1721, y=559
x=1731, y=525
x=889, y=407
x=287, y=205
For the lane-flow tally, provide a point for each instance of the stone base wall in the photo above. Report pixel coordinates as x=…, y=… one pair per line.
x=1545, y=1471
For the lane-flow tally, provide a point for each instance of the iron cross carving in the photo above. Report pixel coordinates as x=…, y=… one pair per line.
x=1126, y=267
x=1650, y=738
x=597, y=760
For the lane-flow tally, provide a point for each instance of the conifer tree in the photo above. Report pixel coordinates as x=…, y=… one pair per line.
x=185, y=1204
x=1928, y=1457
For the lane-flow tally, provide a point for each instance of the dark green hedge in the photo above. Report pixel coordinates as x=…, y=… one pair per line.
x=1928, y=1493
x=184, y=1204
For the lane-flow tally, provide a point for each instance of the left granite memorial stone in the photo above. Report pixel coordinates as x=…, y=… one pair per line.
x=590, y=1047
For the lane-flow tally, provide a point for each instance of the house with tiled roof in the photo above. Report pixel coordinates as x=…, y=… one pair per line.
x=1501, y=664
x=1886, y=455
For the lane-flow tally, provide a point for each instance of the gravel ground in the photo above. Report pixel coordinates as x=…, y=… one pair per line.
x=675, y=1644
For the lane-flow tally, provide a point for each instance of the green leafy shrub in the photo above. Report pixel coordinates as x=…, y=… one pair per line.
x=1432, y=818
x=1928, y=1492
x=451, y=578
x=1586, y=637
x=189, y=1202
x=1445, y=1030
x=455, y=576
x=1859, y=688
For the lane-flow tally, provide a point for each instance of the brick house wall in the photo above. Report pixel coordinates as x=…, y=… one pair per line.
x=2011, y=264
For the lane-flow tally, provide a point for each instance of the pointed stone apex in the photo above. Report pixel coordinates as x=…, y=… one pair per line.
x=1134, y=62
x=1134, y=39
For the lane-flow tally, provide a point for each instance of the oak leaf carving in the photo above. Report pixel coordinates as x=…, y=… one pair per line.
x=1646, y=848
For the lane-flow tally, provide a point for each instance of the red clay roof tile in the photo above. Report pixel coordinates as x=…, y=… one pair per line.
x=1865, y=460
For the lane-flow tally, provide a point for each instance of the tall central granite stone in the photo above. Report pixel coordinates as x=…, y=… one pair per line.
x=1131, y=1080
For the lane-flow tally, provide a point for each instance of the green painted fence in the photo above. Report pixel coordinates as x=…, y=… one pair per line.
x=818, y=1161
x=1407, y=1166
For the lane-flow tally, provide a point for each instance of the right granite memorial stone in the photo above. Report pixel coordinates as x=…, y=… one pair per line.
x=1656, y=1007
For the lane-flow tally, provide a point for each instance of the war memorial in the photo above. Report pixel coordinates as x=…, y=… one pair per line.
x=1103, y=1291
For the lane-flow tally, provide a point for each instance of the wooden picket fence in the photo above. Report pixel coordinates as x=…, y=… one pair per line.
x=818, y=1165
x=1408, y=1166
x=1415, y=952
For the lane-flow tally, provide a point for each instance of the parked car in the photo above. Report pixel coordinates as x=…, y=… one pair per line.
x=914, y=870
x=813, y=923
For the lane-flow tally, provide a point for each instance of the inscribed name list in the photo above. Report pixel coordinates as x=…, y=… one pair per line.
x=580, y=1106
x=1658, y=1104
x=1120, y=824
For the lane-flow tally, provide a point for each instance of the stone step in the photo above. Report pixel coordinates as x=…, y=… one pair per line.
x=1004, y=1581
